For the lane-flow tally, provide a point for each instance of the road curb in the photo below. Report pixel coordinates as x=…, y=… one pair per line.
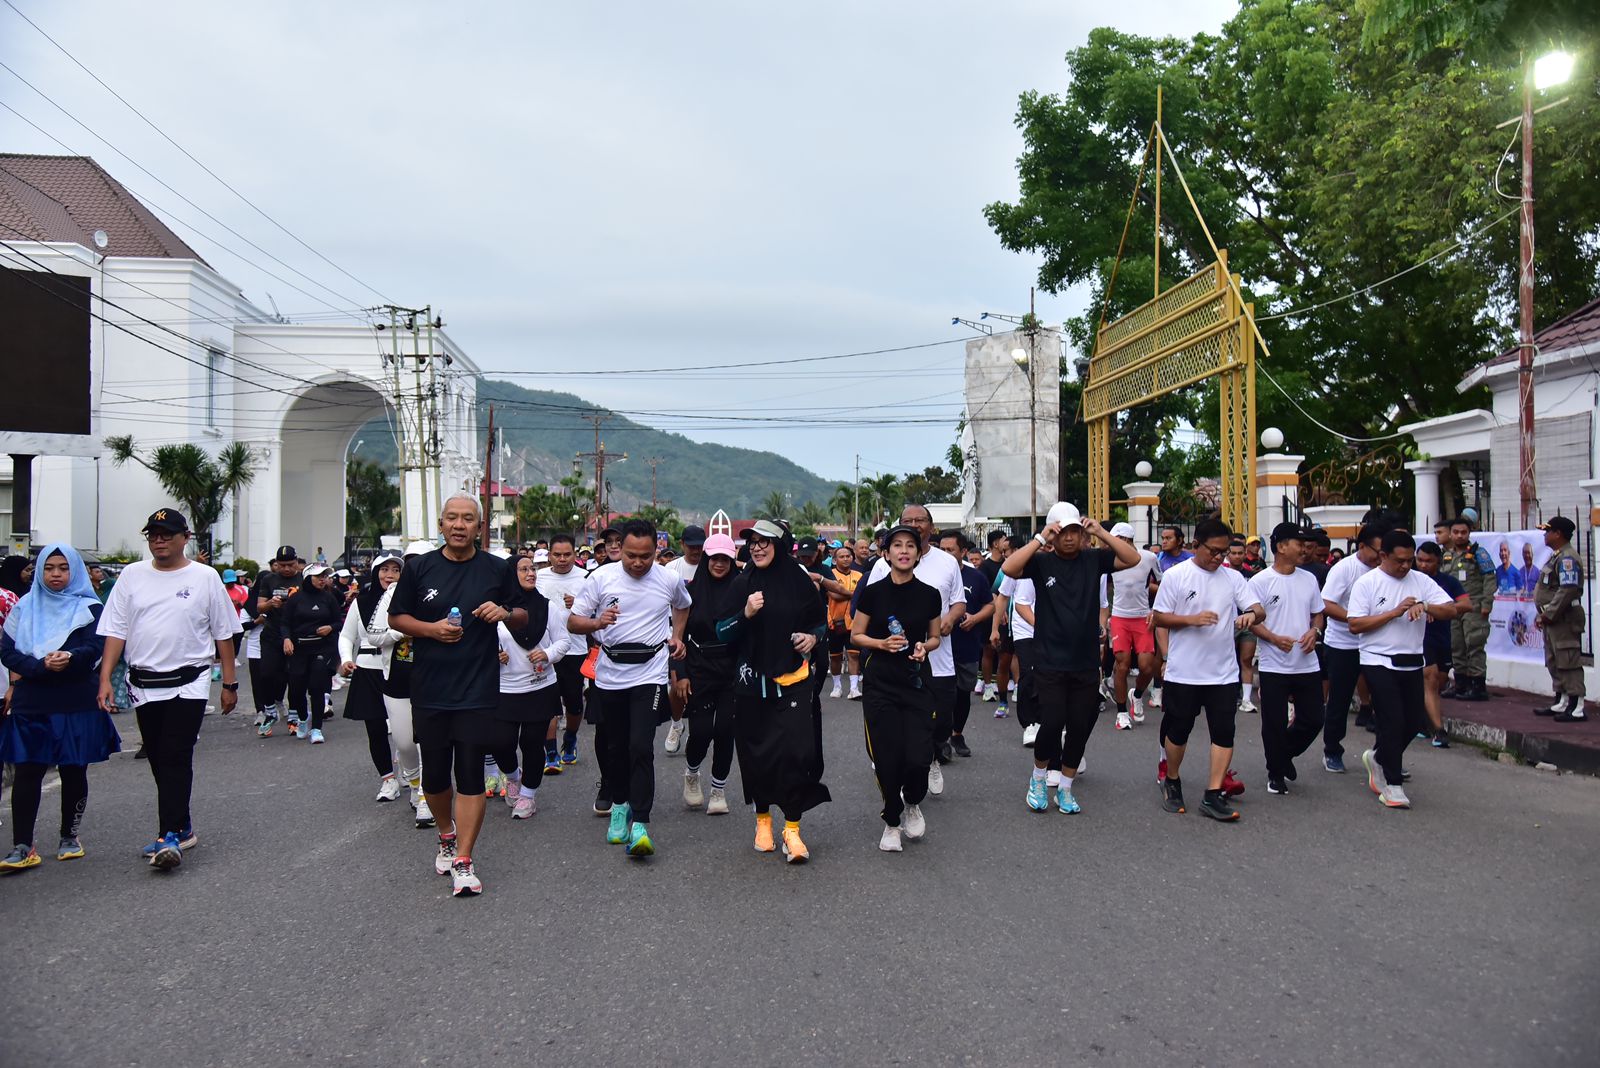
x=1530, y=747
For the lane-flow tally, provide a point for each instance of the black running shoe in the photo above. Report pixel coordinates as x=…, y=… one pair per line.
x=959, y=744
x=1215, y=804
x=1276, y=785
x=1441, y=740
x=602, y=799
x=1289, y=772
x=1172, y=795
x=947, y=753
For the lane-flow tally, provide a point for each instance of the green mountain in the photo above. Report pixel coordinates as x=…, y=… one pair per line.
x=544, y=430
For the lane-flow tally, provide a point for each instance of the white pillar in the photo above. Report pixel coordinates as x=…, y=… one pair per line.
x=1425, y=475
x=1277, y=480
x=1341, y=521
x=1144, y=511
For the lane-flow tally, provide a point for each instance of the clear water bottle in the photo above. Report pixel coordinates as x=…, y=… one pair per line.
x=896, y=630
x=454, y=618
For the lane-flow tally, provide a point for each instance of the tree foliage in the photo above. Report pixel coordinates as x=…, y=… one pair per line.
x=199, y=482
x=371, y=502
x=1323, y=167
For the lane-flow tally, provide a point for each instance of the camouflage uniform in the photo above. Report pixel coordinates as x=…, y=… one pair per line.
x=1559, y=600
x=1469, y=633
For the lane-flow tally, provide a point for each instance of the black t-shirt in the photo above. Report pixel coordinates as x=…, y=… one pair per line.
x=915, y=604
x=269, y=583
x=1320, y=571
x=1066, y=608
x=990, y=568
x=463, y=674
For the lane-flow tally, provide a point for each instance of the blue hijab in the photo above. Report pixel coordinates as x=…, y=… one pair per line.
x=43, y=619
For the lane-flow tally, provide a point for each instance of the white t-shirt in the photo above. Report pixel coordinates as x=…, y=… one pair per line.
x=169, y=620
x=1376, y=593
x=1130, y=588
x=645, y=616
x=1336, y=590
x=1203, y=656
x=1290, y=601
x=682, y=568
x=556, y=588
x=252, y=637
x=517, y=675
x=1021, y=592
x=942, y=571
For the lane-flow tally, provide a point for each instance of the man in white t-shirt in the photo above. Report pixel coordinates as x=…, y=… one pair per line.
x=172, y=619
x=1288, y=650
x=1133, y=639
x=1389, y=609
x=1341, y=650
x=637, y=611
x=560, y=583
x=1202, y=604
x=942, y=571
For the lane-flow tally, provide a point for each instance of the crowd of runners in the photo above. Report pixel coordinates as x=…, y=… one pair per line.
x=473, y=674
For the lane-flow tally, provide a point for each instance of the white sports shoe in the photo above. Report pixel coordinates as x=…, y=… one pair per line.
x=464, y=881
x=524, y=807
x=1124, y=722
x=674, y=743
x=389, y=789
x=935, y=779
x=717, y=803
x=990, y=692
x=1136, y=707
x=693, y=795
x=914, y=823
x=1083, y=765
x=1394, y=797
x=855, y=687
x=447, y=855
x=838, y=687
x=424, y=813
x=977, y=689
x=1247, y=706
x=890, y=842
x=1030, y=734
x=1152, y=696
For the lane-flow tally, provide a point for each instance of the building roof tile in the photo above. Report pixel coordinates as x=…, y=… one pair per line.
x=68, y=198
x=1578, y=327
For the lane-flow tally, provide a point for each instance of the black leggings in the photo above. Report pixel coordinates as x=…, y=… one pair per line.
x=26, y=789
x=899, y=731
x=273, y=670
x=1026, y=702
x=710, y=715
x=261, y=686
x=530, y=740
x=631, y=718
x=310, y=678
x=438, y=760
x=1282, y=741
x=378, y=744
x=1344, y=668
x=1182, y=703
x=1067, y=701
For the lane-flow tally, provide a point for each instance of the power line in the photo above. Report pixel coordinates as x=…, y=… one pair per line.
x=736, y=366
x=191, y=155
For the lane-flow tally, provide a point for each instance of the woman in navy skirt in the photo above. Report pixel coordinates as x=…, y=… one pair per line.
x=50, y=647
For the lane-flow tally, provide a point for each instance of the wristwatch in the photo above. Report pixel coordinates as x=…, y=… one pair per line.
x=232, y=686
x=1041, y=539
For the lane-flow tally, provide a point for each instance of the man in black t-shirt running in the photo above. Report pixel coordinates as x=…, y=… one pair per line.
x=273, y=588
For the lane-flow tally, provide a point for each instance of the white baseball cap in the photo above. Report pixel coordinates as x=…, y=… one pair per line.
x=1122, y=530
x=417, y=548
x=1063, y=514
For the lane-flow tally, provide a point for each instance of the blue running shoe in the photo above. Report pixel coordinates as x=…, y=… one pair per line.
x=1334, y=764
x=187, y=840
x=617, y=830
x=1038, y=799
x=569, y=753
x=639, y=844
x=1067, y=803
x=169, y=854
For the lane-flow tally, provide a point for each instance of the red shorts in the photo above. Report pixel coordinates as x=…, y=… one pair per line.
x=1134, y=634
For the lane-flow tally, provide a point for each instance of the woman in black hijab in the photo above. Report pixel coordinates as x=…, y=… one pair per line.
x=709, y=673
x=779, y=623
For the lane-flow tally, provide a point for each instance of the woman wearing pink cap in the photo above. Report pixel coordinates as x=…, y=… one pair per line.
x=710, y=670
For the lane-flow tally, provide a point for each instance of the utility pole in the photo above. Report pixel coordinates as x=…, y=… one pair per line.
x=654, y=462
x=489, y=491
x=1033, y=418
x=855, y=504
x=415, y=403
x=599, y=457
x=1527, y=491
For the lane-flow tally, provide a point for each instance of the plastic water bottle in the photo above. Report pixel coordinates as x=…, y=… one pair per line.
x=896, y=630
x=454, y=618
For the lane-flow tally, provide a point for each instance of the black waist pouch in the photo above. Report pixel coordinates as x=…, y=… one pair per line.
x=632, y=652
x=162, y=680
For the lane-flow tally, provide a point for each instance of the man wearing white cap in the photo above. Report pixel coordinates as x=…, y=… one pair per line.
x=1067, y=581
x=1133, y=639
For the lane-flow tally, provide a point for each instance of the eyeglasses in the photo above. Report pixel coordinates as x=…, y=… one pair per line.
x=161, y=535
x=1209, y=551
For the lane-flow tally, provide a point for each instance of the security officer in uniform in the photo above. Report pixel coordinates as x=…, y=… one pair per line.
x=1559, y=602
x=1469, y=632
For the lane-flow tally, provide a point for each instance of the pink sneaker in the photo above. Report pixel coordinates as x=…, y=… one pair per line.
x=511, y=794
x=524, y=808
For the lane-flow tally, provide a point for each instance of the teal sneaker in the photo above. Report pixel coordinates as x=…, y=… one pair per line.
x=1038, y=799
x=639, y=844
x=1066, y=802
x=617, y=830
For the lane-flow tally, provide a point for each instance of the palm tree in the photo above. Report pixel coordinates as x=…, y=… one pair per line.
x=812, y=514
x=887, y=496
x=776, y=505
x=202, y=485
x=843, y=504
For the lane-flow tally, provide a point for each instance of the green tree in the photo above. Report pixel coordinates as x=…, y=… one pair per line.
x=886, y=497
x=371, y=502
x=842, y=505
x=201, y=484
x=1323, y=167
x=931, y=484
x=1480, y=27
x=775, y=505
x=812, y=514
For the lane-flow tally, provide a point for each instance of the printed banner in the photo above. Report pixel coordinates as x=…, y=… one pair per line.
x=1517, y=557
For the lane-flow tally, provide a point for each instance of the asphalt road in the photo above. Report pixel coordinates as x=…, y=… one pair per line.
x=308, y=926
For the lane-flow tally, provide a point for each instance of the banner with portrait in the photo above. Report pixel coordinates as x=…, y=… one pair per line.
x=1517, y=556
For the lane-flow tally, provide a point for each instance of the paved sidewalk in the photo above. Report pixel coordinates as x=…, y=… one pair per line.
x=1507, y=722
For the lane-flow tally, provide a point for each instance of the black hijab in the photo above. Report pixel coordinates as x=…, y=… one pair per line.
x=11, y=574
x=791, y=605
x=368, y=593
x=538, y=609
x=713, y=598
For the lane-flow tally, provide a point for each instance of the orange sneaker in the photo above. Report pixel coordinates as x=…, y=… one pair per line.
x=793, y=847
x=764, y=833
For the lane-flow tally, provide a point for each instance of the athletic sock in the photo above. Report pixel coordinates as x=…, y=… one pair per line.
x=525, y=791
x=1247, y=688
x=692, y=769
x=791, y=825
x=1122, y=708
x=1038, y=773
x=1066, y=783
x=551, y=750
x=718, y=784
x=1139, y=690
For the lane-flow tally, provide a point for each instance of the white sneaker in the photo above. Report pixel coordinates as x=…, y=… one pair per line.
x=424, y=813
x=1083, y=765
x=1247, y=706
x=674, y=742
x=446, y=857
x=977, y=689
x=1136, y=707
x=1394, y=797
x=990, y=692
x=693, y=796
x=524, y=807
x=1152, y=697
x=935, y=779
x=915, y=824
x=717, y=803
x=1124, y=722
x=389, y=789
x=855, y=687
x=464, y=882
x=513, y=791
x=838, y=687
x=1011, y=687
x=1030, y=734
x=890, y=842
x=1376, y=781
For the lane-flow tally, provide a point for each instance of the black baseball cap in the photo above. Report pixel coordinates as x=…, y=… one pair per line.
x=1286, y=531
x=901, y=528
x=693, y=537
x=1560, y=524
x=285, y=554
x=807, y=545
x=166, y=521
x=612, y=529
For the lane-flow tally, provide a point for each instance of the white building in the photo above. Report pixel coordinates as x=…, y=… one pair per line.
x=179, y=355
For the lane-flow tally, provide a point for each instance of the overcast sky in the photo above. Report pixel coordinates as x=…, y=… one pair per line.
x=584, y=187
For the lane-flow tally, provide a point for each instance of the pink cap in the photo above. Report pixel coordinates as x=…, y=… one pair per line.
x=721, y=545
